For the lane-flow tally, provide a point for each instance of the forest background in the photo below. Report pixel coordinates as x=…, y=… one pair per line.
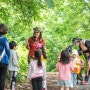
x=60, y=20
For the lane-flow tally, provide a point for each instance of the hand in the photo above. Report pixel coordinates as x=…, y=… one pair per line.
x=0, y=58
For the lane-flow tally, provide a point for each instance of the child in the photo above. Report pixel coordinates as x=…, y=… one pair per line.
x=77, y=66
x=37, y=71
x=64, y=67
x=13, y=64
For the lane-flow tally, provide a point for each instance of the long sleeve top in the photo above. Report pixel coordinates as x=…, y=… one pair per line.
x=13, y=62
x=33, y=45
x=35, y=71
x=4, y=45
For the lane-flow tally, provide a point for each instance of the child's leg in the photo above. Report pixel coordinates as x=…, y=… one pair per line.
x=74, y=79
x=44, y=81
x=89, y=80
x=39, y=83
x=44, y=85
x=13, y=79
x=61, y=87
x=66, y=88
x=34, y=84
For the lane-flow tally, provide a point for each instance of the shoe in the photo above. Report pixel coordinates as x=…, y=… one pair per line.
x=76, y=86
x=85, y=82
x=43, y=89
x=81, y=83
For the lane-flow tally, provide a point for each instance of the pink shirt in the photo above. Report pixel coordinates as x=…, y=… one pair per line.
x=64, y=70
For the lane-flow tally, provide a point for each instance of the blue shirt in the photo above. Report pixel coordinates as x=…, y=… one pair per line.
x=4, y=45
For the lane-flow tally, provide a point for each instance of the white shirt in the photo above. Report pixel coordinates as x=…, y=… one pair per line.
x=35, y=71
x=13, y=61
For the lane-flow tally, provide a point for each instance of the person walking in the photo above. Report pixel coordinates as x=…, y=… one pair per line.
x=4, y=55
x=37, y=42
x=77, y=62
x=13, y=64
x=84, y=48
x=64, y=67
x=37, y=71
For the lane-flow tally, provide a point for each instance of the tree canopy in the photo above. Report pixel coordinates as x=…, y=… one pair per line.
x=60, y=20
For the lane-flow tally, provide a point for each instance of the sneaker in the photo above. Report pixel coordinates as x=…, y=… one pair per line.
x=81, y=83
x=43, y=89
x=76, y=86
x=85, y=82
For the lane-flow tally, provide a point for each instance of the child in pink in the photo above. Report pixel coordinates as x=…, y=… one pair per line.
x=64, y=67
x=37, y=71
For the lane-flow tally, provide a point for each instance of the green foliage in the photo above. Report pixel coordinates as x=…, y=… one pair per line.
x=61, y=20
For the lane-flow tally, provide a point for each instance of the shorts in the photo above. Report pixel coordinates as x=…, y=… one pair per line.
x=65, y=83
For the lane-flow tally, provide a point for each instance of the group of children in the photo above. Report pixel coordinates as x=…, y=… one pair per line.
x=36, y=61
x=36, y=72
x=70, y=67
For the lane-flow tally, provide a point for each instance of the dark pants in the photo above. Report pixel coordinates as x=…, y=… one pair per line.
x=79, y=76
x=37, y=83
x=13, y=75
x=3, y=72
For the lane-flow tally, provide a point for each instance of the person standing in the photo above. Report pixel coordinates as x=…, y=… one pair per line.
x=77, y=67
x=64, y=67
x=13, y=64
x=37, y=42
x=84, y=48
x=37, y=72
x=4, y=55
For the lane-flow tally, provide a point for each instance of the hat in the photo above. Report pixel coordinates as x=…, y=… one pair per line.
x=37, y=29
x=75, y=52
x=75, y=39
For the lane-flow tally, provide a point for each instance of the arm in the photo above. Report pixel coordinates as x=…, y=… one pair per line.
x=57, y=66
x=7, y=49
x=29, y=43
x=88, y=67
x=72, y=66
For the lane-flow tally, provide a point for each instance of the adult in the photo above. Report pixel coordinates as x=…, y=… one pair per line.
x=36, y=42
x=4, y=55
x=84, y=48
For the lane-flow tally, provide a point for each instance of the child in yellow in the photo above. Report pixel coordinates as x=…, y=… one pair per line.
x=77, y=66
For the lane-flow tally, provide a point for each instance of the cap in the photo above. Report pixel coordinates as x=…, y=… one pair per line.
x=75, y=52
x=37, y=29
